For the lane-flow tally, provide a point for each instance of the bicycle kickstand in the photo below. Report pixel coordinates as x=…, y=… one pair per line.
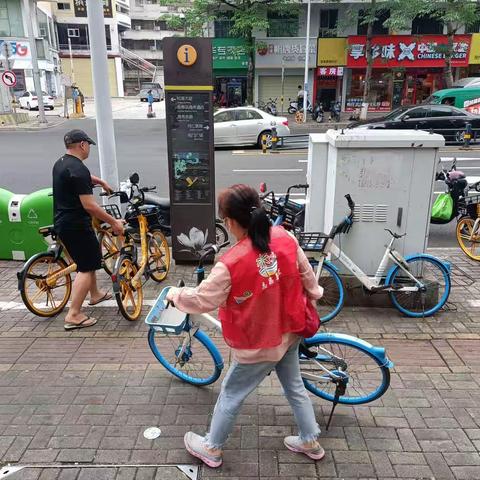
x=339, y=391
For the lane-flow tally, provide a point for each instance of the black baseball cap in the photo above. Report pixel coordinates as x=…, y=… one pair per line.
x=77, y=136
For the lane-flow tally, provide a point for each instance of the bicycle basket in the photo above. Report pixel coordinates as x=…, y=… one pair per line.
x=312, y=241
x=113, y=210
x=166, y=319
x=292, y=212
x=471, y=202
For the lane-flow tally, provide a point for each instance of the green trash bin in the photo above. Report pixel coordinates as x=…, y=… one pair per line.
x=25, y=215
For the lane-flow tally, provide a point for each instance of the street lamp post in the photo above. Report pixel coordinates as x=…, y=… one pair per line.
x=103, y=104
x=307, y=55
x=36, y=72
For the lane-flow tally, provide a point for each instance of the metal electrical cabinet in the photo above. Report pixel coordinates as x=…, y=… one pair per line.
x=390, y=176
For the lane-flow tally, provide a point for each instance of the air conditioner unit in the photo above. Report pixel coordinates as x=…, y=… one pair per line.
x=138, y=27
x=153, y=48
x=157, y=28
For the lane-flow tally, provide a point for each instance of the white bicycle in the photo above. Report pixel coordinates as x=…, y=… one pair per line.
x=418, y=285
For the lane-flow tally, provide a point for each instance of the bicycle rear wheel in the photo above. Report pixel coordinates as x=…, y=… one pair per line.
x=41, y=299
x=192, y=358
x=367, y=377
x=129, y=299
x=432, y=280
x=159, y=256
x=221, y=234
x=468, y=237
x=333, y=293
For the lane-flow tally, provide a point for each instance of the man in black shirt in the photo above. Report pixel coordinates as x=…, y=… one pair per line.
x=74, y=206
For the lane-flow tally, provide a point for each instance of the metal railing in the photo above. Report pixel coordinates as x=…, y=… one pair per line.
x=139, y=62
x=79, y=47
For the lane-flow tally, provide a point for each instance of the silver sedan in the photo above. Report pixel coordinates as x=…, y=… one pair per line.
x=246, y=126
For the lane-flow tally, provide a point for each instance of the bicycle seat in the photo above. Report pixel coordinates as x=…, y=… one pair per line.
x=394, y=235
x=153, y=199
x=46, y=231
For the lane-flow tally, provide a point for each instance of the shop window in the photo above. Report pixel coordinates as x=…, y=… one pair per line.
x=427, y=25
x=282, y=25
x=11, y=23
x=224, y=117
x=328, y=22
x=378, y=25
x=63, y=6
x=380, y=91
x=248, y=115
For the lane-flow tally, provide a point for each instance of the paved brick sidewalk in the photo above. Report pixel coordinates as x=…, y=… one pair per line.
x=87, y=396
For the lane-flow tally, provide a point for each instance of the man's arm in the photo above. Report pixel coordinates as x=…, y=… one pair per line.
x=102, y=183
x=92, y=207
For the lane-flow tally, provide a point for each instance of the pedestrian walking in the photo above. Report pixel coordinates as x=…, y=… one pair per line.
x=300, y=95
x=262, y=285
x=150, y=102
x=74, y=206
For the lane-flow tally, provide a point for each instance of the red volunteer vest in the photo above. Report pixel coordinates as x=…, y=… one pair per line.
x=266, y=299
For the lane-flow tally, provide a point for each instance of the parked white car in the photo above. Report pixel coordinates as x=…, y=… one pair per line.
x=29, y=100
x=246, y=125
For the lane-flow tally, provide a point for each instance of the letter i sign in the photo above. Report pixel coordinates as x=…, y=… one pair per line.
x=187, y=55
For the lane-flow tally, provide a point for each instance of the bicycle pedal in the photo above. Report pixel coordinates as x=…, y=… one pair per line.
x=305, y=351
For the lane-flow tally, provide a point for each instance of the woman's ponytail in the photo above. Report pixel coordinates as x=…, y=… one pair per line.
x=259, y=229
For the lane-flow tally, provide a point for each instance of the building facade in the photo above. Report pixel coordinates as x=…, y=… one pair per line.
x=143, y=44
x=74, y=43
x=15, y=49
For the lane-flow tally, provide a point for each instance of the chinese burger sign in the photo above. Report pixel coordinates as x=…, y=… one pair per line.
x=408, y=51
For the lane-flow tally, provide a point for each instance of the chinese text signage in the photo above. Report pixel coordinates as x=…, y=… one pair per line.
x=330, y=71
x=229, y=53
x=80, y=7
x=288, y=52
x=408, y=51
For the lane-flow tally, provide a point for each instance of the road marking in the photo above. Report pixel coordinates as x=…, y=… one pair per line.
x=268, y=170
x=108, y=303
x=302, y=161
x=459, y=159
x=237, y=152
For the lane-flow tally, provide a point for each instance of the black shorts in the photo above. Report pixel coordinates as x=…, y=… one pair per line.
x=83, y=247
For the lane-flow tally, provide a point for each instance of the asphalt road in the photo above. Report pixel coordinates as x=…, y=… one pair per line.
x=27, y=158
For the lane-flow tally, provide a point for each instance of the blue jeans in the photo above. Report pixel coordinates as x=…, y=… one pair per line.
x=242, y=379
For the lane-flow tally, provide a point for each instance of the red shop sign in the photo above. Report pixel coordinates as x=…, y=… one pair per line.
x=407, y=51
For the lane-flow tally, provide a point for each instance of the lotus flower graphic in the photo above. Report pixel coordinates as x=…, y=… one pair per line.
x=195, y=242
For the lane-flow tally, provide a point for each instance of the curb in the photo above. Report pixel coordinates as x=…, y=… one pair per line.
x=32, y=128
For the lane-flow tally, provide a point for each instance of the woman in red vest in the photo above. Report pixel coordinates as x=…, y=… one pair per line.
x=262, y=286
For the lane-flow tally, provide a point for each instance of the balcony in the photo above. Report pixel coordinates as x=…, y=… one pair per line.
x=79, y=49
x=123, y=20
x=144, y=34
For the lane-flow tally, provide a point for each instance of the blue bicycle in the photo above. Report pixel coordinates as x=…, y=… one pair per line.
x=336, y=367
x=418, y=285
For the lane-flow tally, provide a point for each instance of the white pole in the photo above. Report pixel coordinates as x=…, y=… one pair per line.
x=72, y=73
x=36, y=73
x=307, y=55
x=103, y=104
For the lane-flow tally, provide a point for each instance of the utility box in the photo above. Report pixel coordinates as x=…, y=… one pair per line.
x=390, y=176
x=20, y=218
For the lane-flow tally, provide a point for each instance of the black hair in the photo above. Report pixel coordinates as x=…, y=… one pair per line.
x=241, y=203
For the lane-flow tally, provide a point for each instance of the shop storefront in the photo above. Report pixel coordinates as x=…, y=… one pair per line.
x=331, y=61
x=406, y=69
x=280, y=69
x=230, y=66
x=20, y=61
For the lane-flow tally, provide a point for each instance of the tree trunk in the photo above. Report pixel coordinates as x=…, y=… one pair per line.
x=368, y=72
x=251, y=71
x=448, y=56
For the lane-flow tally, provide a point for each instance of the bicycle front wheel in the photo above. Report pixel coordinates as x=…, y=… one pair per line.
x=333, y=293
x=110, y=246
x=367, y=377
x=468, y=237
x=158, y=256
x=428, y=292
x=129, y=299
x=190, y=357
x=39, y=297
x=221, y=234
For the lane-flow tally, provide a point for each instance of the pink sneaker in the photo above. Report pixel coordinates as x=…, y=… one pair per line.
x=295, y=445
x=195, y=445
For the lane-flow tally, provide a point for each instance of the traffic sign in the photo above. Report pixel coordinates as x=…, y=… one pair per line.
x=9, y=78
x=66, y=80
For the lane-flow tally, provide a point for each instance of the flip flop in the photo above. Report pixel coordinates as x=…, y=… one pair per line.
x=107, y=296
x=74, y=326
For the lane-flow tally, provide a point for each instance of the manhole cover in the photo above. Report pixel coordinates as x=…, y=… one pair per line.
x=104, y=472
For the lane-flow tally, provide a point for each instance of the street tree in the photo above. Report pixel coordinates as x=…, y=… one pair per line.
x=454, y=14
x=247, y=16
